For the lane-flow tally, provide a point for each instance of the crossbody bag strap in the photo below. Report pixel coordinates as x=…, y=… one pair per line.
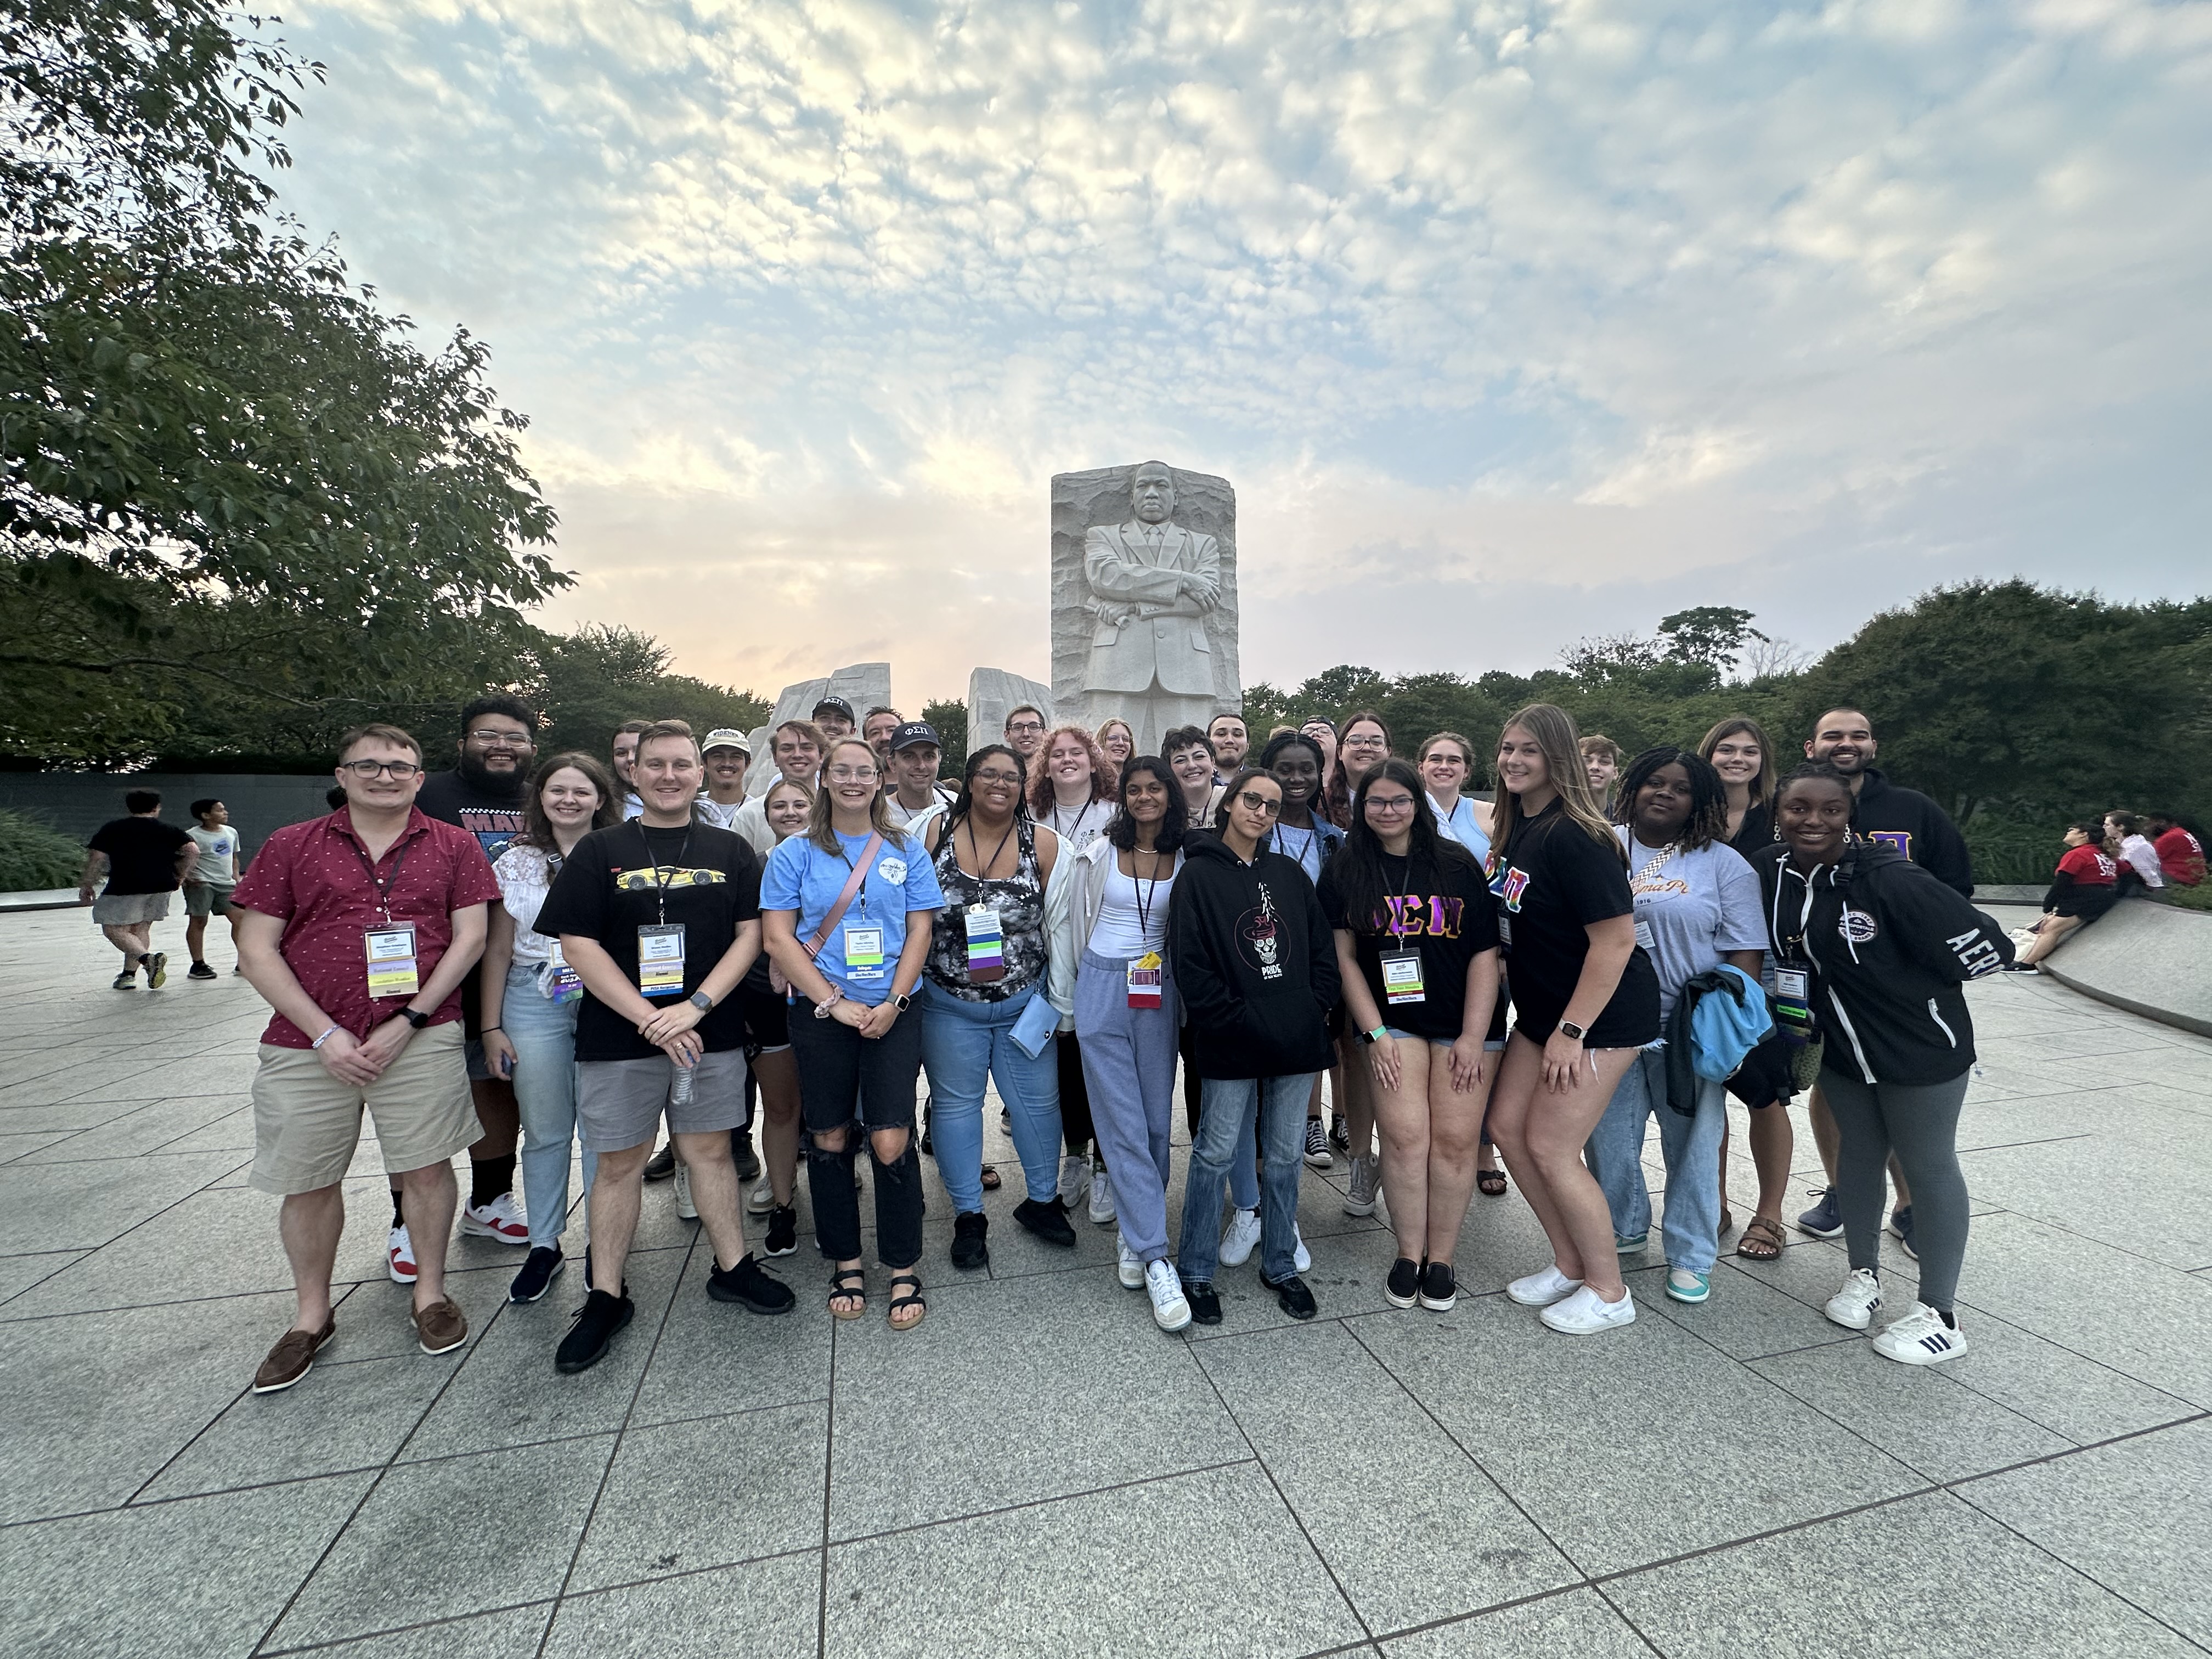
x=844, y=899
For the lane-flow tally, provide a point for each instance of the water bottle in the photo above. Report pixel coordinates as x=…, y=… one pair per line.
x=687, y=1078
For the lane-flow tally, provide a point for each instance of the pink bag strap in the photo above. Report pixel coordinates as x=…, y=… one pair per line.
x=852, y=886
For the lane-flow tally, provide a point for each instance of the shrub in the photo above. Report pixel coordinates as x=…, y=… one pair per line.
x=35, y=855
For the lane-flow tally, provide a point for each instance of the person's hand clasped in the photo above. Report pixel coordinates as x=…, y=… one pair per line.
x=1382, y=1061
x=1565, y=1062
x=686, y=1048
x=668, y=1024
x=385, y=1043
x=874, y=1022
x=1470, y=1062
x=345, y=1059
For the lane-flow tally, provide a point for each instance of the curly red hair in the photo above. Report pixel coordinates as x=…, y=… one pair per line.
x=1104, y=773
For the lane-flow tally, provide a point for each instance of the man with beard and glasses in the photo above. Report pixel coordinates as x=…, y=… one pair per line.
x=1910, y=823
x=483, y=794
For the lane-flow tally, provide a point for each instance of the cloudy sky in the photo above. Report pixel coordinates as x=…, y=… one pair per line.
x=1510, y=322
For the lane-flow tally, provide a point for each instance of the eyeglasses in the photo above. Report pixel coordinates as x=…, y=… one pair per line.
x=1026, y=727
x=1367, y=742
x=1255, y=802
x=992, y=775
x=851, y=775
x=1390, y=803
x=491, y=739
x=400, y=770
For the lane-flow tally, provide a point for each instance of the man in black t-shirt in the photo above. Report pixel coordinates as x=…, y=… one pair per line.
x=483, y=794
x=145, y=860
x=660, y=917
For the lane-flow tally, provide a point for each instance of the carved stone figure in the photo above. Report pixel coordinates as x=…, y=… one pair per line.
x=865, y=685
x=994, y=693
x=1144, y=599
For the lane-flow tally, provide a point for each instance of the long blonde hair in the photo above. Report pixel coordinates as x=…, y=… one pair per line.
x=1553, y=728
x=817, y=816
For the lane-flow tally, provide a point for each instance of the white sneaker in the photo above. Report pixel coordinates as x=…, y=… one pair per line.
x=1241, y=1238
x=1360, y=1200
x=1853, y=1306
x=1301, y=1258
x=1542, y=1290
x=762, y=1199
x=684, y=1207
x=1074, y=1176
x=1102, y=1196
x=1920, y=1338
x=399, y=1256
x=1133, y=1271
x=1170, y=1311
x=1586, y=1313
x=502, y=1218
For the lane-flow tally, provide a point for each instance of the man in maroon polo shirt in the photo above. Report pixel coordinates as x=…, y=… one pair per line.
x=358, y=929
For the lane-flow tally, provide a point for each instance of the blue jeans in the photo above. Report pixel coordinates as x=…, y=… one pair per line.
x=964, y=1045
x=543, y=1034
x=1226, y=1120
x=1691, y=1147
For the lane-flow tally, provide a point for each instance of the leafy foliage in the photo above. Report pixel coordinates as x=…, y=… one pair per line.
x=35, y=855
x=950, y=720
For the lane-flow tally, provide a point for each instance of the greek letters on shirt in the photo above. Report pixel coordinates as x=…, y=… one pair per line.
x=1900, y=839
x=1416, y=916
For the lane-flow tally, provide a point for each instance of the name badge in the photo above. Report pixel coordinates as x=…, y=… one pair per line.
x=1644, y=937
x=1791, y=984
x=1401, y=977
x=660, y=958
x=391, y=956
x=986, y=944
x=864, y=953
x=1145, y=979
x=559, y=983
x=1505, y=931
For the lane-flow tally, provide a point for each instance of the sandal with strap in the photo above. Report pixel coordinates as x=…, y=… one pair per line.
x=913, y=1299
x=1492, y=1182
x=990, y=1177
x=848, y=1284
x=1762, y=1239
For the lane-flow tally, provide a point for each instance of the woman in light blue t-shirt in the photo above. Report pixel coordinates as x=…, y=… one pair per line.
x=851, y=976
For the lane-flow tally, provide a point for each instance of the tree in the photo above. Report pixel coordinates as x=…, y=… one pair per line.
x=949, y=717
x=589, y=682
x=1714, y=635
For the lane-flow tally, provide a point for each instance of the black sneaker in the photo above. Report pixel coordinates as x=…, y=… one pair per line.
x=662, y=1165
x=741, y=1149
x=1295, y=1299
x=751, y=1287
x=1340, y=1135
x=1403, y=1287
x=1048, y=1221
x=928, y=1148
x=782, y=1230
x=1204, y=1305
x=539, y=1269
x=1317, y=1153
x=1439, y=1287
x=589, y=1338
x=199, y=970
x=969, y=1251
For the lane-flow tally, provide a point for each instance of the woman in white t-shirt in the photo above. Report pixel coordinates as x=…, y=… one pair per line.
x=1072, y=794
x=530, y=998
x=1697, y=905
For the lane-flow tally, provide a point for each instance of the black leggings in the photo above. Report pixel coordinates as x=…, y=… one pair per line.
x=844, y=1077
x=1074, y=1094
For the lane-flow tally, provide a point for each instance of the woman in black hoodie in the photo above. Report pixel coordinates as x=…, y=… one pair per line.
x=1255, y=962
x=1870, y=950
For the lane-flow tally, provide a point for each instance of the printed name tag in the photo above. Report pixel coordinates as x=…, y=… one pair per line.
x=864, y=953
x=986, y=944
x=1401, y=977
x=1791, y=984
x=391, y=956
x=660, y=958
x=1145, y=980
x=1505, y=932
x=1644, y=937
x=558, y=980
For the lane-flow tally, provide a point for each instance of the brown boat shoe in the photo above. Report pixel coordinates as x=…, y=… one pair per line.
x=441, y=1326
x=293, y=1357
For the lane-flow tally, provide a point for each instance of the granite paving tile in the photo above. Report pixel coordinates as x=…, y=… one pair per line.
x=82, y=1206
x=714, y=1358
x=1578, y=1625
x=509, y=1633
x=761, y=1610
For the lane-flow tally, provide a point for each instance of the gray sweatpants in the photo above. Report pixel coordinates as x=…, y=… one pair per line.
x=1919, y=1122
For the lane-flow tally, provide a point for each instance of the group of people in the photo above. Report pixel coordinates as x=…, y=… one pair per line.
x=562, y=954
x=2107, y=859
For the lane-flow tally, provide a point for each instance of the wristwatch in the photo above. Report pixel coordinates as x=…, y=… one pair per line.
x=899, y=1001
x=702, y=1002
x=1375, y=1036
x=1568, y=1028
x=418, y=1021
x=821, y=1008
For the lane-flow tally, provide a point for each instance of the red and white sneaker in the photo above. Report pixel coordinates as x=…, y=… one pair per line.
x=502, y=1220
x=399, y=1256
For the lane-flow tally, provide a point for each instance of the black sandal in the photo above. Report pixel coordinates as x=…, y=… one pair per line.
x=914, y=1300
x=990, y=1177
x=1492, y=1182
x=849, y=1282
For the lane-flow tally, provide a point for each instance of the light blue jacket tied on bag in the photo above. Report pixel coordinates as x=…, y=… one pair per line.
x=1719, y=1018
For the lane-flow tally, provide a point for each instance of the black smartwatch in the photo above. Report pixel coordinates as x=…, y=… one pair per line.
x=702, y=1002
x=1370, y=1038
x=418, y=1021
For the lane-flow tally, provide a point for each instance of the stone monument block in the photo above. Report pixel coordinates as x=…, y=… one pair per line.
x=994, y=693
x=1144, y=598
x=865, y=685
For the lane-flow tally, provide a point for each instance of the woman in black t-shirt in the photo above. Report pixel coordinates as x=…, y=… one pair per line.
x=1585, y=998
x=1417, y=943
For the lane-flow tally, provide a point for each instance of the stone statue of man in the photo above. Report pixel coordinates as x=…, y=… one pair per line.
x=1152, y=585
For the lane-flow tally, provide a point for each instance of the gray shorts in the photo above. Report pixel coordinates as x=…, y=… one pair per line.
x=620, y=1102
x=208, y=899
x=122, y=910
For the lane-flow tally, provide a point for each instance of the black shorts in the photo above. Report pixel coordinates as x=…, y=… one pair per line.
x=767, y=1019
x=2087, y=902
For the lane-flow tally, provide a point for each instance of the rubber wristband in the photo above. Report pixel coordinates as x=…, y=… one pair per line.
x=486, y=1030
x=327, y=1034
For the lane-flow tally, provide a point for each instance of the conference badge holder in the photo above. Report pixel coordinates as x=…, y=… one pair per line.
x=1145, y=980
x=864, y=951
x=660, y=958
x=1402, y=976
x=560, y=983
x=986, y=946
x=389, y=951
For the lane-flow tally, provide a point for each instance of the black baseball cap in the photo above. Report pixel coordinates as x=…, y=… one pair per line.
x=840, y=706
x=912, y=732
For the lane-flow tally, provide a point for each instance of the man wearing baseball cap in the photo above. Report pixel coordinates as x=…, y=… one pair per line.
x=728, y=753
x=835, y=717
x=915, y=795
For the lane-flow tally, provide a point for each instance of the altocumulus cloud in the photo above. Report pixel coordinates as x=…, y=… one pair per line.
x=1509, y=321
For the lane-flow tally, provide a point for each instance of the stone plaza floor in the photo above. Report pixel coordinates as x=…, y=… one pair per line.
x=1040, y=1470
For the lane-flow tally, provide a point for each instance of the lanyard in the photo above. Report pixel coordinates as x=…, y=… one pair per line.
x=983, y=864
x=1404, y=884
x=1145, y=890
x=383, y=884
x=845, y=859
x=660, y=887
x=1081, y=813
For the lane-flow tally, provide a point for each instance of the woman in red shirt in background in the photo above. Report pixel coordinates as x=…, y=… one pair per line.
x=2180, y=854
x=2084, y=887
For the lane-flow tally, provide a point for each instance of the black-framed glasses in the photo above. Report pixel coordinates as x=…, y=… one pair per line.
x=491, y=739
x=1256, y=802
x=992, y=775
x=1390, y=803
x=400, y=770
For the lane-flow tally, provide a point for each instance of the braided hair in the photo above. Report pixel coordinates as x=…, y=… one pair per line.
x=1708, y=819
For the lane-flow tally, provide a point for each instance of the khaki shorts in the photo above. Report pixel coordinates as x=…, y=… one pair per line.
x=124, y=910
x=306, y=1123
x=620, y=1102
